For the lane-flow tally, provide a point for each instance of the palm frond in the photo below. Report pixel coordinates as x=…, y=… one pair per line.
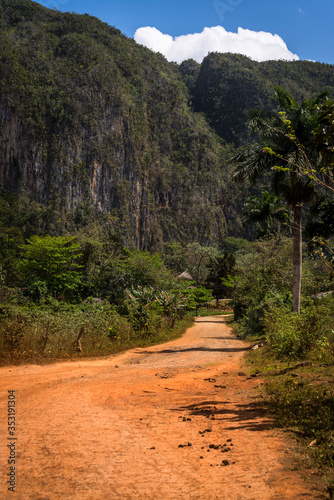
x=284, y=99
x=250, y=162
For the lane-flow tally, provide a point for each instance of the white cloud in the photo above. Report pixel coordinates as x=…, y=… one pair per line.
x=258, y=45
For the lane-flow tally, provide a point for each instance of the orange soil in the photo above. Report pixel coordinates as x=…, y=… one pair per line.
x=111, y=428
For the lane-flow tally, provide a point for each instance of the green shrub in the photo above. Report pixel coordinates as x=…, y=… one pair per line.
x=51, y=263
x=308, y=408
x=264, y=282
x=37, y=290
x=297, y=336
x=51, y=330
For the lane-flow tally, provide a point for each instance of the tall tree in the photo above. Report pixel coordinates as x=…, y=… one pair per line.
x=285, y=146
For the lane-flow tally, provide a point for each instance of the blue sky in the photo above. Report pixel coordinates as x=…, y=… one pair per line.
x=305, y=26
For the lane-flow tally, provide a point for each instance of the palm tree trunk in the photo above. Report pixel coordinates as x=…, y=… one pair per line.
x=297, y=257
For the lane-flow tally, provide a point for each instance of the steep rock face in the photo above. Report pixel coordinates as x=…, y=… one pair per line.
x=90, y=118
x=67, y=170
x=19, y=155
x=100, y=167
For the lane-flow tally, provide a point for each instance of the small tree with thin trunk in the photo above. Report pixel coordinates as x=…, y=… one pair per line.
x=52, y=262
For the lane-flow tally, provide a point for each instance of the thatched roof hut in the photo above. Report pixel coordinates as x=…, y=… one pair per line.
x=185, y=276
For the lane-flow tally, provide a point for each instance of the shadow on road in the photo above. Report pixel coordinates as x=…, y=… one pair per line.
x=251, y=416
x=223, y=338
x=203, y=349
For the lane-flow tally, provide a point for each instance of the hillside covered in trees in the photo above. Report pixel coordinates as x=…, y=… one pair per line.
x=226, y=86
x=92, y=122
x=89, y=119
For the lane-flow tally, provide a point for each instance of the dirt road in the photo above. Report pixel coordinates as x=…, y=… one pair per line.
x=174, y=421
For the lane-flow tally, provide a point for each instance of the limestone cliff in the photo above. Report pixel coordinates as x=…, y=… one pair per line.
x=89, y=117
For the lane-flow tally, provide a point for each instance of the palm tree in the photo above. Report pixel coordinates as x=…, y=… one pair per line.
x=286, y=147
x=268, y=212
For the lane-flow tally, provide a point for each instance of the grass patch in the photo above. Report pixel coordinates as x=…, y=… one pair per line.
x=47, y=334
x=300, y=396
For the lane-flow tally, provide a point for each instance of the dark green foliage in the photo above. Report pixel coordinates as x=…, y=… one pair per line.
x=111, y=282
x=228, y=86
x=320, y=221
x=262, y=285
x=147, y=269
x=223, y=266
x=49, y=266
x=268, y=214
x=175, y=257
x=262, y=279
x=324, y=137
x=236, y=245
x=198, y=297
x=190, y=70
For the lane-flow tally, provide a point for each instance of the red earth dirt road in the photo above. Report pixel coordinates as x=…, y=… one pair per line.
x=173, y=421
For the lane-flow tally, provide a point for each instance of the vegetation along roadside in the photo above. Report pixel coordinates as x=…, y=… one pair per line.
x=293, y=352
x=299, y=395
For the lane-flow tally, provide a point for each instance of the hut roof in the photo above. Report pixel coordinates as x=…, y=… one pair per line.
x=185, y=276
